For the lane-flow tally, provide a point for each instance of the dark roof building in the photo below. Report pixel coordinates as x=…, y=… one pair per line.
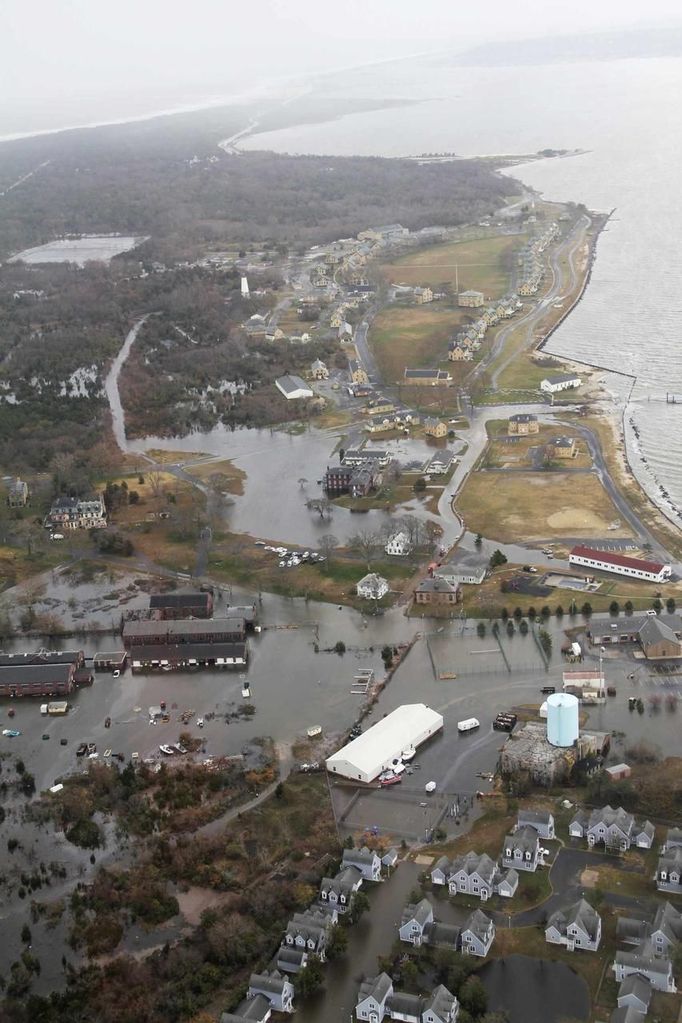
x=216, y=630
x=182, y=605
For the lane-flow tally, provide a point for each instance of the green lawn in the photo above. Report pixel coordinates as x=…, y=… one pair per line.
x=484, y=264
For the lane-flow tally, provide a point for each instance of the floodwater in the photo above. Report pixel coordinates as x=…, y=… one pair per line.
x=100, y=249
x=621, y=112
x=535, y=990
x=275, y=461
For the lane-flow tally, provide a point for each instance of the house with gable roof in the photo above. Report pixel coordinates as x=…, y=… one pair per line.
x=278, y=990
x=339, y=891
x=366, y=860
x=477, y=934
x=658, y=971
x=635, y=993
x=669, y=871
x=616, y=829
x=579, y=926
x=541, y=821
x=377, y=1000
x=521, y=849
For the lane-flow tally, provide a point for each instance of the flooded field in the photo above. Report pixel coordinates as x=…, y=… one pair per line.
x=98, y=248
x=275, y=461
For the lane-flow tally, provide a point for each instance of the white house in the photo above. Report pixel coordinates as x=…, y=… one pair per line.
x=398, y=545
x=372, y=587
x=563, y=382
x=464, y=568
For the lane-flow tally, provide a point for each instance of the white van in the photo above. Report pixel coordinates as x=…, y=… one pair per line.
x=469, y=725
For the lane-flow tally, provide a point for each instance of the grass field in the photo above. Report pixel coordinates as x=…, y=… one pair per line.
x=534, y=506
x=516, y=451
x=414, y=336
x=484, y=265
x=222, y=475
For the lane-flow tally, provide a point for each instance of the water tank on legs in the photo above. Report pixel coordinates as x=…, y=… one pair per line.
x=563, y=719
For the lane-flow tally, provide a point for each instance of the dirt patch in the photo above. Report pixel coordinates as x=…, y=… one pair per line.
x=195, y=900
x=512, y=507
x=589, y=878
x=424, y=861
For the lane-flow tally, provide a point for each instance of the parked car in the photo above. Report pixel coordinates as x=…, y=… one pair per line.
x=166, y=750
x=82, y=749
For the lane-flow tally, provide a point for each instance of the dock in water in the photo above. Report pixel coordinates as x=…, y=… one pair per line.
x=362, y=680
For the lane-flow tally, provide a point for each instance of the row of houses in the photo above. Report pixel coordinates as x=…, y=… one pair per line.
x=531, y=268
x=44, y=673
x=77, y=513
x=419, y=927
x=188, y=643
x=615, y=829
x=462, y=346
x=481, y=876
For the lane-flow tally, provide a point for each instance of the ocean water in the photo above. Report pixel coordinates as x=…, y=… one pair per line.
x=625, y=113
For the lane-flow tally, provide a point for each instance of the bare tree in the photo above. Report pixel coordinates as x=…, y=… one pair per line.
x=364, y=542
x=327, y=544
x=322, y=505
x=155, y=481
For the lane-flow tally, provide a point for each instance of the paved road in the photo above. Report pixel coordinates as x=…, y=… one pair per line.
x=574, y=239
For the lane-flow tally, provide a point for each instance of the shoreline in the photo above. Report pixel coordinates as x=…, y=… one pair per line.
x=652, y=489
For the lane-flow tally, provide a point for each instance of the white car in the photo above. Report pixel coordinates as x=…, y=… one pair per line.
x=56, y=536
x=116, y=673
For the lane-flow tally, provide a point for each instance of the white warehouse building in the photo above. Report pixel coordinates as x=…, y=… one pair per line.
x=374, y=751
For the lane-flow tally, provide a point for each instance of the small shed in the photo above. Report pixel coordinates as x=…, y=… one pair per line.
x=619, y=771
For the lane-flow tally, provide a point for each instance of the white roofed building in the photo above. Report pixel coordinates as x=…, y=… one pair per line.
x=292, y=387
x=374, y=751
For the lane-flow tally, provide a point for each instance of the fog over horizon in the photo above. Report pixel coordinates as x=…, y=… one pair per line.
x=70, y=62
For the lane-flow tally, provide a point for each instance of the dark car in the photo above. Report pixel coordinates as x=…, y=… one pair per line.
x=548, y=689
x=63, y=742
x=45, y=735
x=82, y=749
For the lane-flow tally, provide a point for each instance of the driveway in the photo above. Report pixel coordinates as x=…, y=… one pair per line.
x=564, y=877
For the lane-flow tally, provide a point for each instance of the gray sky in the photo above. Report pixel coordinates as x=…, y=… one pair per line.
x=84, y=59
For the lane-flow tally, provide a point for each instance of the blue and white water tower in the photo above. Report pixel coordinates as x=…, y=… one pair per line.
x=563, y=719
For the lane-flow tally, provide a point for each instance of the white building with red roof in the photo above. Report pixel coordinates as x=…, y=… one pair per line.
x=620, y=564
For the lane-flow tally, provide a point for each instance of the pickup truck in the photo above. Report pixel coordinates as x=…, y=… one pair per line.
x=548, y=690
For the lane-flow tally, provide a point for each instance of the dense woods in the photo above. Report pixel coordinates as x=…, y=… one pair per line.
x=168, y=178
x=61, y=325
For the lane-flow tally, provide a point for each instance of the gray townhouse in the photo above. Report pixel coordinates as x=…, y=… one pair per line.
x=479, y=875
x=669, y=871
x=643, y=961
x=673, y=839
x=278, y=990
x=635, y=993
x=308, y=932
x=366, y=860
x=615, y=829
x=377, y=1000
x=477, y=934
x=418, y=927
x=339, y=891
x=579, y=926
x=541, y=821
x=663, y=933
x=521, y=850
